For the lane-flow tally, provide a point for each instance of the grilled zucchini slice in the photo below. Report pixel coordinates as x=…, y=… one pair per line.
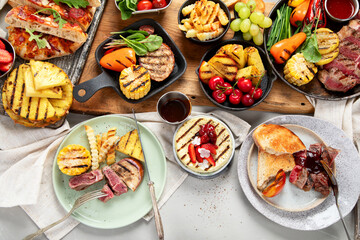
x=328, y=57
x=135, y=82
x=129, y=144
x=327, y=40
x=74, y=159
x=298, y=71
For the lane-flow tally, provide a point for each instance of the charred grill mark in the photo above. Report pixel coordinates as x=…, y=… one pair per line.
x=226, y=138
x=182, y=158
x=37, y=109
x=184, y=145
x=21, y=98
x=287, y=51
x=119, y=62
x=310, y=69
x=221, y=132
x=127, y=140
x=130, y=59
x=186, y=132
x=80, y=166
x=132, y=152
x=28, y=110
x=14, y=88
x=142, y=84
x=109, y=64
x=283, y=59
x=222, y=153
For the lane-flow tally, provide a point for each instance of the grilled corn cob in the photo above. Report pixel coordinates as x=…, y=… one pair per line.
x=298, y=71
x=74, y=159
x=135, y=82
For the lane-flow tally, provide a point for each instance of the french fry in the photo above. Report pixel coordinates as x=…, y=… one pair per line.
x=214, y=14
x=212, y=27
x=188, y=26
x=187, y=10
x=222, y=17
x=191, y=33
x=200, y=6
x=93, y=147
x=98, y=142
x=105, y=147
x=110, y=158
x=207, y=13
x=209, y=35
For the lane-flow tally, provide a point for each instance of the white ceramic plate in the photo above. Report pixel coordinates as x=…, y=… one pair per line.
x=291, y=197
x=347, y=171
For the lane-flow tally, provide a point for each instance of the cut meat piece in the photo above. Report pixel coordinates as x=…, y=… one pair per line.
x=106, y=189
x=329, y=154
x=321, y=183
x=114, y=181
x=345, y=65
x=301, y=179
x=350, y=50
x=85, y=180
x=309, y=184
x=335, y=80
x=316, y=148
x=355, y=24
x=130, y=171
x=160, y=63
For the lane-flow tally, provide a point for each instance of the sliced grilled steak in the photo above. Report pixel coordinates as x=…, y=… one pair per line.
x=301, y=179
x=159, y=63
x=85, y=180
x=321, y=183
x=309, y=184
x=349, y=30
x=335, y=80
x=114, y=181
x=355, y=24
x=350, y=50
x=130, y=171
x=329, y=154
x=345, y=65
x=106, y=189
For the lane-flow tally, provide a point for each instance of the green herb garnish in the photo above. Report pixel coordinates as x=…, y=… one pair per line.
x=310, y=48
x=56, y=14
x=73, y=3
x=41, y=43
x=127, y=7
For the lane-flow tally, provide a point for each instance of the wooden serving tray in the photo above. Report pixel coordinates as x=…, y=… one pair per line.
x=281, y=99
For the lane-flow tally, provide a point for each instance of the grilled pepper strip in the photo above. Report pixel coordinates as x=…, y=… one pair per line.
x=295, y=3
x=316, y=9
x=282, y=50
x=299, y=13
x=275, y=187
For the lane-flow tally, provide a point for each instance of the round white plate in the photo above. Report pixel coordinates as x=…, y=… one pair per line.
x=308, y=217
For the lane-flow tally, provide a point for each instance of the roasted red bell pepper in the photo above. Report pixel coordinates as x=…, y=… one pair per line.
x=316, y=10
x=276, y=186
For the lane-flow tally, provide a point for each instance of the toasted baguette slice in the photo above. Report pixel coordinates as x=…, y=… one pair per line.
x=25, y=17
x=276, y=139
x=269, y=165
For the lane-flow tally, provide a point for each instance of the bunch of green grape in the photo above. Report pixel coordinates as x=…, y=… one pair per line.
x=250, y=22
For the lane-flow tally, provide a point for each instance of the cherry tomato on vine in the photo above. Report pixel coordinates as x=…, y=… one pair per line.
x=159, y=3
x=247, y=100
x=245, y=85
x=235, y=97
x=227, y=88
x=215, y=81
x=219, y=96
x=144, y=5
x=275, y=187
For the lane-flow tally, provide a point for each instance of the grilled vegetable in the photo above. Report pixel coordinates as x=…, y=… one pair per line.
x=298, y=71
x=251, y=73
x=282, y=50
x=135, y=82
x=328, y=57
x=254, y=59
x=74, y=160
x=275, y=187
x=225, y=65
x=327, y=40
x=316, y=10
x=129, y=144
x=206, y=72
x=295, y=3
x=299, y=13
x=119, y=60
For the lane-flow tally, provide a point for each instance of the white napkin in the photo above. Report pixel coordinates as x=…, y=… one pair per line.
x=27, y=155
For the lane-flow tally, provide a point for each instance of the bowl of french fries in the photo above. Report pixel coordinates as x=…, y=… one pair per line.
x=204, y=20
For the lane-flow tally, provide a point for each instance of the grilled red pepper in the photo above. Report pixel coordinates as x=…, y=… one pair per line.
x=192, y=154
x=316, y=10
x=276, y=186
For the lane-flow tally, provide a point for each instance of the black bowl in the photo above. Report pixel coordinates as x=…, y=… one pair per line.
x=222, y=6
x=266, y=83
x=109, y=78
x=314, y=88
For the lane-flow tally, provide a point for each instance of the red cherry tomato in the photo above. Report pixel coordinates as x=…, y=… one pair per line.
x=235, y=97
x=215, y=81
x=144, y=5
x=247, y=100
x=159, y=3
x=275, y=187
x=219, y=96
x=245, y=85
x=228, y=88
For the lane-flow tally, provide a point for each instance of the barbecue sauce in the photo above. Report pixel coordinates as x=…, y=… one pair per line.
x=175, y=110
x=310, y=160
x=341, y=9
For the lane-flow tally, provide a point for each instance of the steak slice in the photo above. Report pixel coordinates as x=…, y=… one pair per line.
x=329, y=154
x=321, y=183
x=160, y=63
x=85, y=180
x=130, y=171
x=114, y=181
x=309, y=184
x=106, y=189
x=345, y=65
x=350, y=50
x=299, y=178
x=335, y=80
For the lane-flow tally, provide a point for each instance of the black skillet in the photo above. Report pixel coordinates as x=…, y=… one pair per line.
x=314, y=88
x=109, y=78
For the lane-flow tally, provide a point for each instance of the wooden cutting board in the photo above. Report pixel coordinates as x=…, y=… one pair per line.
x=281, y=99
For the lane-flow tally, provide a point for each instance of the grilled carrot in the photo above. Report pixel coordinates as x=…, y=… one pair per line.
x=282, y=50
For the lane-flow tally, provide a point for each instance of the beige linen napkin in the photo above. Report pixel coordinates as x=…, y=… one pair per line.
x=27, y=157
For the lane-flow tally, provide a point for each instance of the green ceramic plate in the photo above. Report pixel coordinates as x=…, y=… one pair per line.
x=124, y=209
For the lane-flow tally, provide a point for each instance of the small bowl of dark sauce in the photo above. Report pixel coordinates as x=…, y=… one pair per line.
x=174, y=107
x=341, y=10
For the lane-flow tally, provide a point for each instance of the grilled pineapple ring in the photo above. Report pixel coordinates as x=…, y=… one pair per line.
x=327, y=40
x=74, y=159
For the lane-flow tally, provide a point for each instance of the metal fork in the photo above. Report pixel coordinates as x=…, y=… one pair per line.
x=80, y=201
x=335, y=188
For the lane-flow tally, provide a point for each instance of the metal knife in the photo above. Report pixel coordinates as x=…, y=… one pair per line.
x=158, y=222
x=357, y=220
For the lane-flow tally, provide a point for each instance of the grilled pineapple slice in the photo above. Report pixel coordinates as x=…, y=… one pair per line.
x=63, y=105
x=74, y=160
x=327, y=40
x=250, y=72
x=206, y=72
x=129, y=144
x=298, y=71
x=47, y=75
x=225, y=65
x=30, y=91
x=135, y=82
x=253, y=59
x=236, y=52
x=328, y=57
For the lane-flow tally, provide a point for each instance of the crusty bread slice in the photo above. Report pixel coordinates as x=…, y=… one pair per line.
x=276, y=139
x=269, y=165
x=94, y=3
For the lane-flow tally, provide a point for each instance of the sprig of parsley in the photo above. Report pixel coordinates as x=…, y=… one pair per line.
x=74, y=3
x=57, y=16
x=42, y=43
